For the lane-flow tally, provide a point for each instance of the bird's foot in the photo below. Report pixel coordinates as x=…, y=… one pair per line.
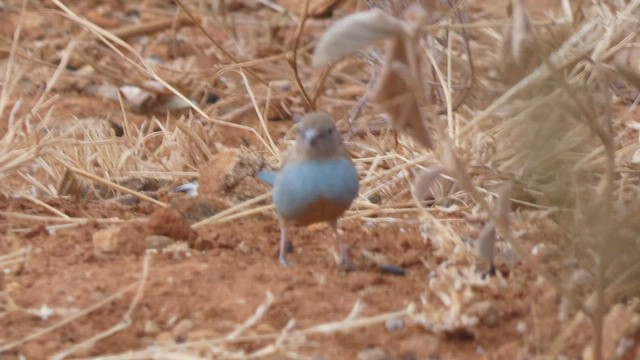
x=345, y=263
x=288, y=247
x=284, y=262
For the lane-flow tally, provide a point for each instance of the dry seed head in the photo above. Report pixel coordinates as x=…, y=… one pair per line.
x=354, y=32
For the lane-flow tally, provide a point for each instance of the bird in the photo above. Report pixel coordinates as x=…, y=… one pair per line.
x=316, y=183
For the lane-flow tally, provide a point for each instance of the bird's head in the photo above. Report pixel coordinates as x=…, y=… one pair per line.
x=318, y=136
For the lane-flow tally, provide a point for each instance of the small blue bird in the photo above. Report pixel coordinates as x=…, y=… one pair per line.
x=317, y=182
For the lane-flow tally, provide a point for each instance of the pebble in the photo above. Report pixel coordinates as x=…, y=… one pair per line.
x=181, y=330
x=151, y=327
x=158, y=242
x=127, y=238
x=394, y=324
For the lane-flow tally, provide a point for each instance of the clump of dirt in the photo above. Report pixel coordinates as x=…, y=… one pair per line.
x=171, y=223
x=231, y=175
x=127, y=238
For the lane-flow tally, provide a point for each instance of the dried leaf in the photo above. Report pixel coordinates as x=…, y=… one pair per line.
x=503, y=205
x=396, y=96
x=354, y=32
x=520, y=32
x=486, y=241
x=429, y=184
x=426, y=180
x=449, y=161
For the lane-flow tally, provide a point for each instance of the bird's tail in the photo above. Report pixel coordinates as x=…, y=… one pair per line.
x=268, y=177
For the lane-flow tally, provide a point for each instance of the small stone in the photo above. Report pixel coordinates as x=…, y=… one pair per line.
x=394, y=324
x=127, y=238
x=581, y=277
x=106, y=241
x=151, y=327
x=375, y=199
x=181, y=330
x=539, y=251
x=158, y=242
x=165, y=338
x=522, y=327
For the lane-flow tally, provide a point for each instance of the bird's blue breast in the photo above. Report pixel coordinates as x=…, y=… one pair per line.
x=299, y=186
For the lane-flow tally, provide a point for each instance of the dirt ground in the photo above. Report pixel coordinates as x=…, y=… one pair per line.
x=193, y=296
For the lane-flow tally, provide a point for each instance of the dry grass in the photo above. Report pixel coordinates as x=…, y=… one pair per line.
x=555, y=128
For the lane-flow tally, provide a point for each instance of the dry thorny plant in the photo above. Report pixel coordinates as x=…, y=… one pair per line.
x=549, y=140
x=553, y=135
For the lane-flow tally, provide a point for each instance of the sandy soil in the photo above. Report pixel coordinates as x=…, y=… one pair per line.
x=193, y=295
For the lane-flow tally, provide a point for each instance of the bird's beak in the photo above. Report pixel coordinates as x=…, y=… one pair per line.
x=311, y=135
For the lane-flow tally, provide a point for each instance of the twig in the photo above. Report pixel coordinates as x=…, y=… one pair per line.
x=257, y=315
x=31, y=217
x=456, y=164
x=46, y=206
x=126, y=318
x=221, y=215
x=263, y=123
x=293, y=57
x=113, y=185
x=327, y=328
x=221, y=48
x=109, y=39
x=63, y=322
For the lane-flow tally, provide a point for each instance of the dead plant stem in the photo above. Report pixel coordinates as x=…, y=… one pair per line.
x=293, y=57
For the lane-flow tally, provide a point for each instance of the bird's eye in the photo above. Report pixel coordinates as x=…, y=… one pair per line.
x=330, y=131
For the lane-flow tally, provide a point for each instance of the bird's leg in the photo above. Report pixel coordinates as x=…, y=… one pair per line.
x=345, y=260
x=283, y=244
